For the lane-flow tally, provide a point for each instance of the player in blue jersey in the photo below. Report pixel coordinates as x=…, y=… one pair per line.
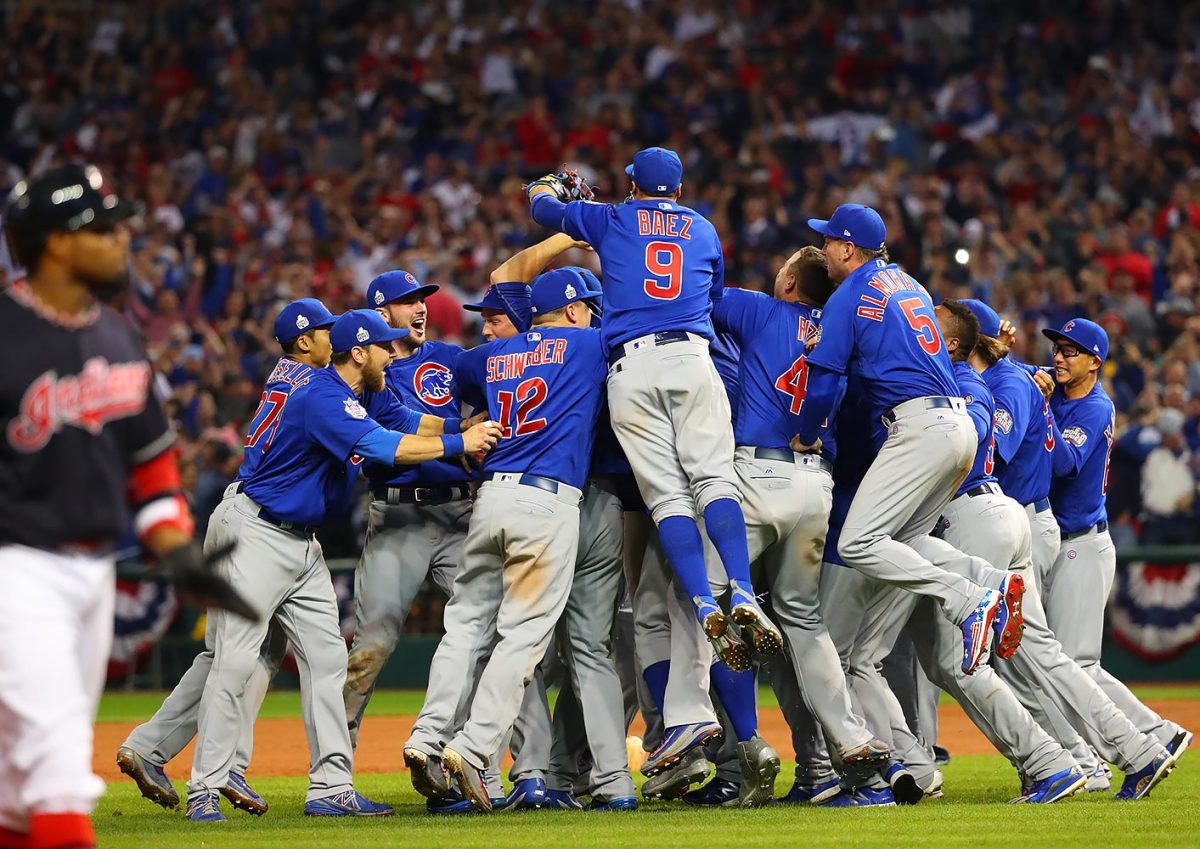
x=1077, y=587
x=302, y=331
x=545, y=387
x=663, y=268
x=279, y=561
x=878, y=330
x=418, y=514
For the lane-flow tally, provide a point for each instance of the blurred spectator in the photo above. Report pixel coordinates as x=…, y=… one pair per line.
x=1169, y=486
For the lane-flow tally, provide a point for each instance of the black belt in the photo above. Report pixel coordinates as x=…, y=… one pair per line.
x=983, y=489
x=933, y=402
x=666, y=337
x=790, y=457
x=536, y=481
x=1099, y=527
x=291, y=527
x=428, y=495
x=1039, y=505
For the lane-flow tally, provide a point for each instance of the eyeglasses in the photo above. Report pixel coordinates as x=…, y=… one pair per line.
x=1067, y=352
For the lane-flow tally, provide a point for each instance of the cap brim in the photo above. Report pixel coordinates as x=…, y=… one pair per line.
x=1058, y=336
x=821, y=225
x=393, y=334
x=423, y=291
x=629, y=171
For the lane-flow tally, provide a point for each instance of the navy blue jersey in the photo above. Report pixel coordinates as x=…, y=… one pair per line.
x=313, y=444
x=608, y=457
x=1024, y=433
x=858, y=447
x=879, y=327
x=286, y=376
x=662, y=264
x=1086, y=427
x=726, y=352
x=982, y=410
x=773, y=369
x=544, y=387
x=425, y=382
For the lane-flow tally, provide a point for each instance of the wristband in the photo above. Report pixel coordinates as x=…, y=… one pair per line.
x=452, y=444
x=451, y=425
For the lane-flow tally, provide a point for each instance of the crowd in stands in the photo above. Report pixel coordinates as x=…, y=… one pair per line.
x=1044, y=156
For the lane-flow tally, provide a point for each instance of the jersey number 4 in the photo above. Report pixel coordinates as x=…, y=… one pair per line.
x=794, y=384
x=664, y=260
x=266, y=418
x=928, y=334
x=529, y=395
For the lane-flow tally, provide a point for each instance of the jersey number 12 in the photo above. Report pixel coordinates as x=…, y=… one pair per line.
x=529, y=395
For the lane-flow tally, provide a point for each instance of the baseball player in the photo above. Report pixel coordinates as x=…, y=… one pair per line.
x=1078, y=584
x=84, y=448
x=878, y=329
x=544, y=386
x=302, y=331
x=663, y=268
x=418, y=515
x=982, y=521
x=280, y=563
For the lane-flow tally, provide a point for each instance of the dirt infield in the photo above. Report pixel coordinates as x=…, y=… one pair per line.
x=280, y=747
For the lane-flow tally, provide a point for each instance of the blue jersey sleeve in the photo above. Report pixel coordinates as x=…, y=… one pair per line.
x=836, y=344
x=717, y=293
x=390, y=412
x=379, y=446
x=736, y=312
x=586, y=220
x=980, y=414
x=337, y=422
x=824, y=387
x=1013, y=409
x=467, y=381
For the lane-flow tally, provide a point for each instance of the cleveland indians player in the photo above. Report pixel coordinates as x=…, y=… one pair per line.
x=663, y=268
x=81, y=428
x=302, y=331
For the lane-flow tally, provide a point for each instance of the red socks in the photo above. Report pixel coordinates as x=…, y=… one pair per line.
x=60, y=831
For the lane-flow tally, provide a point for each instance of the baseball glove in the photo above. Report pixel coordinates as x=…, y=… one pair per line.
x=191, y=572
x=566, y=184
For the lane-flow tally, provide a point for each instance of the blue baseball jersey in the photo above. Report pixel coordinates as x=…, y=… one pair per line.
x=544, y=387
x=982, y=409
x=854, y=434
x=424, y=382
x=1087, y=427
x=879, y=327
x=608, y=457
x=286, y=376
x=726, y=353
x=662, y=262
x=313, y=445
x=1024, y=433
x=773, y=368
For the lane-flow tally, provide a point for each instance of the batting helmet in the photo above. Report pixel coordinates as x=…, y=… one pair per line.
x=66, y=199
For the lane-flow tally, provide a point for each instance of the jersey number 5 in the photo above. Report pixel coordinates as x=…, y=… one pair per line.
x=664, y=260
x=794, y=384
x=266, y=418
x=927, y=331
x=529, y=395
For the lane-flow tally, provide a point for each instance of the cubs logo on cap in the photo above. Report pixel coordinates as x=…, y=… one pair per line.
x=431, y=382
x=1087, y=336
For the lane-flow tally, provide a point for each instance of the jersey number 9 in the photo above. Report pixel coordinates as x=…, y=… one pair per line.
x=664, y=260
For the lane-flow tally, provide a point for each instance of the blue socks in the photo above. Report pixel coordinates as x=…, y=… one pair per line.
x=655, y=676
x=726, y=528
x=736, y=690
x=681, y=543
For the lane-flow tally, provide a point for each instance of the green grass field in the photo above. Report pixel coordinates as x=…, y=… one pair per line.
x=974, y=813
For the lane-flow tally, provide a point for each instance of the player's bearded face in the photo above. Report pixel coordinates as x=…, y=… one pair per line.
x=100, y=258
x=378, y=357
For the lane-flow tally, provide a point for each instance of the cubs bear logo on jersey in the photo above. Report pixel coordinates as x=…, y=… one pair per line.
x=431, y=382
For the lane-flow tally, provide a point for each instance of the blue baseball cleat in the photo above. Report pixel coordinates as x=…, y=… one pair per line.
x=1137, y=785
x=349, y=803
x=620, y=803
x=528, y=794
x=842, y=799
x=1050, y=789
x=561, y=800
x=151, y=780
x=874, y=797
x=242, y=795
x=977, y=631
x=812, y=794
x=204, y=807
x=717, y=793
x=1009, y=624
x=677, y=741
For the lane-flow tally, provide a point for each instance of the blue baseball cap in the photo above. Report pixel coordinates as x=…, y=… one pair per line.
x=301, y=316
x=656, y=170
x=512, y=299
x=394, y=285
x=1087, y=336
x=555, y=289
x=989, y=322
x=596, y=291
x=362, y=327
x=853, y=222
